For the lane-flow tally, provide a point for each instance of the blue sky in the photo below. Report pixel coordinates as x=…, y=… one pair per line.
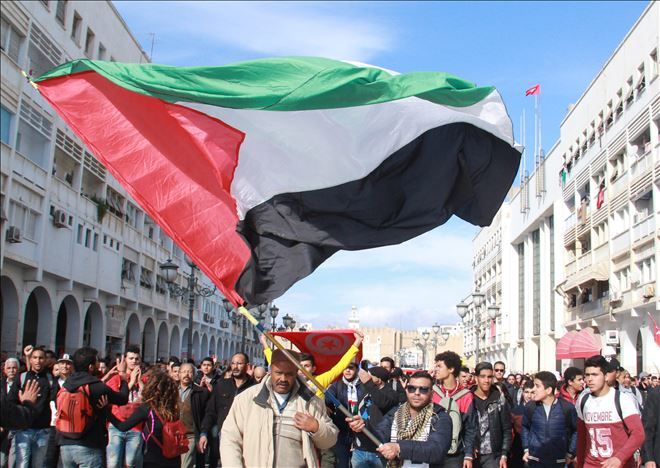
x=511, y=45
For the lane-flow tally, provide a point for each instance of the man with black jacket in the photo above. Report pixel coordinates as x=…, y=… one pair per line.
x=417, y=431
x=88, y=449
x=388, y=364
x=651, y=420
x=31, y=443
x=222, y=398
x=493, y=439
x=192, y=406
x=349, y=391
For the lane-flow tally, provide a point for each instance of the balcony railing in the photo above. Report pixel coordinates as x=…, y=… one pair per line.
x=621, y=242
x=641, y=164
x=644, y=228
x=588, y=310
x=620, y=184
x=584, y=261
x=570, y=221
x=571, y=268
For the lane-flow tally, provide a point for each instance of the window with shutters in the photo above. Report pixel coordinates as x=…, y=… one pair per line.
x=89, y=43
x=34, y=133
x=6, y=119
x=25, y=218
x=128, y=270
x=60, y=11
x=43, y=54
x=76, y=26
x=10, y=40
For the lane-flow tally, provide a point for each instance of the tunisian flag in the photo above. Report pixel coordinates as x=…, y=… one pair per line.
x=262, y=170
x=327, y=346
x=536, y=89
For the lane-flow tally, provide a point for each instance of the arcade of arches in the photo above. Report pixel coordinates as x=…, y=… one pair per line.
x=67, y=323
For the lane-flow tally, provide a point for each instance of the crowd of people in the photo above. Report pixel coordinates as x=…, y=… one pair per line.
x=82, y=411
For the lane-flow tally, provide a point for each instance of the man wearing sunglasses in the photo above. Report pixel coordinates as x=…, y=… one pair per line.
x=417, y=431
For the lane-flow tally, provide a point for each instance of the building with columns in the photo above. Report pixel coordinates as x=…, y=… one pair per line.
x=80, y=260
x=579, y=252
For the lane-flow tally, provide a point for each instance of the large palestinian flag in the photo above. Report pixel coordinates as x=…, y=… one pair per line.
x=262, y=170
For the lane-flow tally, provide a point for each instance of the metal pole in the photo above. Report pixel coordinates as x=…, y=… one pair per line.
x=191, y=309
x=243, y=329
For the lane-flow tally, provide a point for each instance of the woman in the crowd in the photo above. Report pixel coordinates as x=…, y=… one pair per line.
x=160, y=403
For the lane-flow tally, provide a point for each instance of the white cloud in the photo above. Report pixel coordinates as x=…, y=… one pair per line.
x=265, y=28
x=404, y=302
x=436, y=249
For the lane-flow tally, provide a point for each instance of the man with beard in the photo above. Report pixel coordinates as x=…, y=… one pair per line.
x=192, y=405
x=222, y=397
x=279, y=422
x=417, y=431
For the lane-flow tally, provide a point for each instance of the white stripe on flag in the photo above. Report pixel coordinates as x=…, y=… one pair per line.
x=299, y=151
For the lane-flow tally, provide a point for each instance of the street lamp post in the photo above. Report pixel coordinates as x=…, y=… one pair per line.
x=273, y=315
x=193, y=289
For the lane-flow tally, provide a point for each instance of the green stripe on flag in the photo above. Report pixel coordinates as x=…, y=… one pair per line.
x=280, y=84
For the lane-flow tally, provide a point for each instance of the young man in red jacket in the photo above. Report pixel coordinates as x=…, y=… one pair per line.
x=447, y=371
x=573, y=384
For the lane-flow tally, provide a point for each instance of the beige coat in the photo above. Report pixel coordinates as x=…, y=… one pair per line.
x=247, y=433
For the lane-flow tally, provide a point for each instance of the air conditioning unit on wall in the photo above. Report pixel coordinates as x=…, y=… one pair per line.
x=13, y=235
x=59, y=218
x=612, y=337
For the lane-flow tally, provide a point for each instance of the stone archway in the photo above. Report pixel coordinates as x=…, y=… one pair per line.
x=184, y=343
x=211, y=349
x=163, y=345
x=67, y=328
x=195, y=347
x=38, y=319
x=218, y=349
x=93, y=331
x=204, y=351
x=8, y=316
x=175, y=342
x=133, y=331
x=149, y=341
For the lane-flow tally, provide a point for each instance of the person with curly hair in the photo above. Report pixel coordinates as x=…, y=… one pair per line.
x=160, y=403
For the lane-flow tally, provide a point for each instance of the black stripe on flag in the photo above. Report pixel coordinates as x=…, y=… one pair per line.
x=456, y=169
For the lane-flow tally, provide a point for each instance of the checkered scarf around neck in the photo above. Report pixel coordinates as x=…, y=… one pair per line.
x=410, y=428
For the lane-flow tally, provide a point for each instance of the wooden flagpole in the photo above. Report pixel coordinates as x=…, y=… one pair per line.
x=246, y=313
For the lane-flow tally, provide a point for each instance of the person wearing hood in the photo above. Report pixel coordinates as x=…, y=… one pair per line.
x=573, y=384
x=88, y=449
x=493, y=439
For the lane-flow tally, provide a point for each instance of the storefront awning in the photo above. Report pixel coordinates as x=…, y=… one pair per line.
x=597, y=272
x=564, y=345
x=582, y=344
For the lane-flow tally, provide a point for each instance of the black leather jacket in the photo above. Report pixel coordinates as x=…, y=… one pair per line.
x=499, y=422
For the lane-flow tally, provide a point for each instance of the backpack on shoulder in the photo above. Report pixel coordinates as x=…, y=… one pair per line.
x=451, y=408
x=74, y=412
x=174, y=441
